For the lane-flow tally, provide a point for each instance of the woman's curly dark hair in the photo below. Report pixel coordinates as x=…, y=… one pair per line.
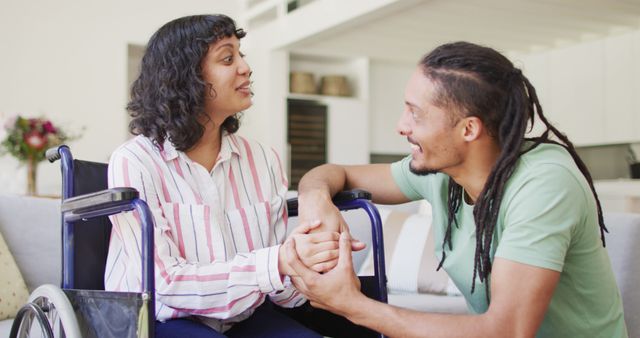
x=167, y=99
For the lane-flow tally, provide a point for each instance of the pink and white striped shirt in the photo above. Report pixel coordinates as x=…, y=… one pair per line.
x=217, y=233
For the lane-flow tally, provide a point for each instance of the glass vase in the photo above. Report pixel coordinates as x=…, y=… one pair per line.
x=32, y=172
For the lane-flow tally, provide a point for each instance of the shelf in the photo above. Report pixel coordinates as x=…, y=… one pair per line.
x=318, y=97
x=355, y=70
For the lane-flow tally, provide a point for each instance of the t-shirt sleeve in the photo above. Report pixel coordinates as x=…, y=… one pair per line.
x=541, y=217
x=406, y=180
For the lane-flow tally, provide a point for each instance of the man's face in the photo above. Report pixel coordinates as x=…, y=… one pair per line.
x=431, y=130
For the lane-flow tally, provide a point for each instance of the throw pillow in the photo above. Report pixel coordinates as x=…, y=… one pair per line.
x=13, y=290
x=410, y=259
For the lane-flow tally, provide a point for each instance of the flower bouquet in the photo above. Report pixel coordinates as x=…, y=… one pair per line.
x=27, y=139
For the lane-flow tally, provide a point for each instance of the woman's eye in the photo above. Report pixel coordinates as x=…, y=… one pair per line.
x=228, y=59
x=242, y=54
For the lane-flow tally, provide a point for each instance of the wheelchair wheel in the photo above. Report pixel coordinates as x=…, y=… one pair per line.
x=48, y=314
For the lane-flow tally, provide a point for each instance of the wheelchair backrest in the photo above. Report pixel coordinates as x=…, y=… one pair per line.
x=91, y=236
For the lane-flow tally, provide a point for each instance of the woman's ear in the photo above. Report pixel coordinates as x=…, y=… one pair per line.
x=472, y=128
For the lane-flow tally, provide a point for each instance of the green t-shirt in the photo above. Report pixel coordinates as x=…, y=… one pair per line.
x=547, y=219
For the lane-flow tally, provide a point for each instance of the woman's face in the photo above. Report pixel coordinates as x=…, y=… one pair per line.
x=227, y=76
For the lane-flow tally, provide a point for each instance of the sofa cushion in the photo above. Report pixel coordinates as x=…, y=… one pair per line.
x=13, y=291
x=622, y=247
x=410, y=259
x=5, y=327
x=31, y=229
x=426, y=302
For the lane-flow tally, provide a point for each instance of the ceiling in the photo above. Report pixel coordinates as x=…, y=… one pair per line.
x=511, y=26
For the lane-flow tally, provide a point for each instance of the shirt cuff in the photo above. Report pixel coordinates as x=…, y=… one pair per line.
x=269, y=279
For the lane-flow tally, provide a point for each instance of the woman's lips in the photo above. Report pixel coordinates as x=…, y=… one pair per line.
x=245, y=88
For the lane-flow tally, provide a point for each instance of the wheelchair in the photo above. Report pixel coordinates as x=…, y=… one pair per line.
x=82, y=308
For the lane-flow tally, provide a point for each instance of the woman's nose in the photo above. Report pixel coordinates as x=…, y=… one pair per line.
x=244, y=68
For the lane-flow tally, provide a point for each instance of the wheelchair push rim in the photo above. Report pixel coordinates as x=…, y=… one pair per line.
x=50, y=308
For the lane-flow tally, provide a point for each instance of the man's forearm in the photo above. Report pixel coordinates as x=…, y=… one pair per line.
x=326, y=179
x=398, y=322
x=315, y=191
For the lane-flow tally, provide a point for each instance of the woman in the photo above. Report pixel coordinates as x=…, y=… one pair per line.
x=217, y=198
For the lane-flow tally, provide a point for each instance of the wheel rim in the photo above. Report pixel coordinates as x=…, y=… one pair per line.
x=57, y=309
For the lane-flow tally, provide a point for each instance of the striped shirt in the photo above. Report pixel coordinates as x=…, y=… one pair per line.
x=217, y=233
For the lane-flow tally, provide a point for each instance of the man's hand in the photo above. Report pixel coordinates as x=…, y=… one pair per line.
x=318, y=206
x=335, y=290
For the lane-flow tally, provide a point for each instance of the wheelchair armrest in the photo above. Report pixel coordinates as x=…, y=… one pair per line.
x=339, y=198
x=350, y=195
x=99, y=200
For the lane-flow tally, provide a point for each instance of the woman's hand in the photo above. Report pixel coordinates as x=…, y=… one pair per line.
x=317, y=250
x=335, y=290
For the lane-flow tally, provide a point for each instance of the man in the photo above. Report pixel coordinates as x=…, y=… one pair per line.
x=518, y=221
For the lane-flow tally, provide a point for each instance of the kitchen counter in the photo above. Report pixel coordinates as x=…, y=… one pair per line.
x=621, y=195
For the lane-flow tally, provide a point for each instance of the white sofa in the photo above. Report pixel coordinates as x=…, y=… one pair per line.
x=31, y=228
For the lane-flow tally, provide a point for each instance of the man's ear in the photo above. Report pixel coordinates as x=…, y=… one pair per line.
x=472, y=128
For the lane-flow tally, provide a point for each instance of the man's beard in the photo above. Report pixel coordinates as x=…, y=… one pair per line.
x=422, y=172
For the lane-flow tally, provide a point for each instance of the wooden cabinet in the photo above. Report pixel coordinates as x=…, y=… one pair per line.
x=328, y=129
x=346, y=130
x=307, y=137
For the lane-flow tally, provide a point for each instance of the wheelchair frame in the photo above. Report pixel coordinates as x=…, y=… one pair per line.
x=112, y=201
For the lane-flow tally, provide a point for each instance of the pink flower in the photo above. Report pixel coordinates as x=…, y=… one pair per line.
x=48, y=127
x=35, y=140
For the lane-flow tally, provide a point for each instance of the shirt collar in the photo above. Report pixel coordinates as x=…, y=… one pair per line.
x=168, y=151
x=229, y=144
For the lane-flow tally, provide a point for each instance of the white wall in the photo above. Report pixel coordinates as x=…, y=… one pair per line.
x=590, y=90
x=265, y=121
x=388, y=82
x=67, y=60
x=267, y=50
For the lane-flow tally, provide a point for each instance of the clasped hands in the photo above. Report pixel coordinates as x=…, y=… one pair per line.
x=317, y=257
x=317, y=250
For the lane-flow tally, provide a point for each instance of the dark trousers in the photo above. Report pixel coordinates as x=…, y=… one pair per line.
x=264, y=322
